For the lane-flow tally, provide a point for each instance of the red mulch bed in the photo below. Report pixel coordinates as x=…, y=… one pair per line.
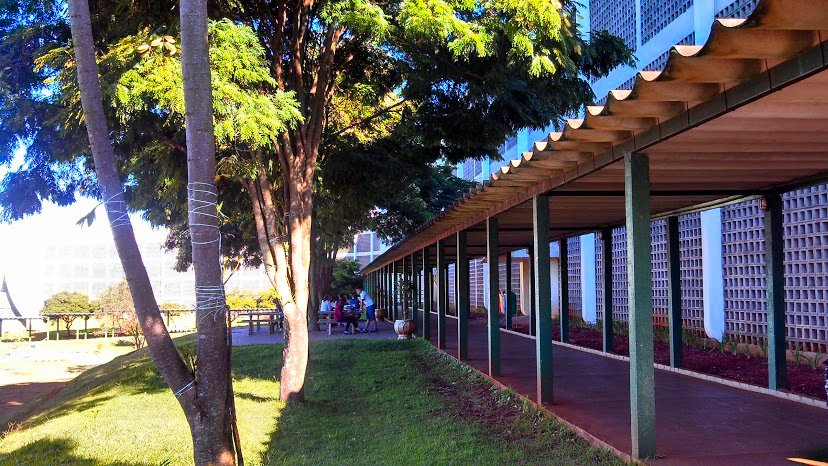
x=802, y=380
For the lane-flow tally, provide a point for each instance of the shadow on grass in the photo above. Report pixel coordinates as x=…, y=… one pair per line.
x=56, y=451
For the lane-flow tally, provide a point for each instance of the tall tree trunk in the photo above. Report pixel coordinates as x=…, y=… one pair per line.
x=295, y=353
x=212, y=427
x=169, y=363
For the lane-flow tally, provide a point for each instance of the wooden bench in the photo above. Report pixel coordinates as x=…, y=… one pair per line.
x=329, y=321
x=271, y=318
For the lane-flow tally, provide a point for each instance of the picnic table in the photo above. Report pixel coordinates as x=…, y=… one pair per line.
x=273, y=317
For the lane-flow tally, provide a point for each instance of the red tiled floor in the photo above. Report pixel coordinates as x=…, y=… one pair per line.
x=699, y=422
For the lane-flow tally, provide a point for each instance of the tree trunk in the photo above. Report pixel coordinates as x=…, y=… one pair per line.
x=212, y=427
x=169, y=363
x=295, y=353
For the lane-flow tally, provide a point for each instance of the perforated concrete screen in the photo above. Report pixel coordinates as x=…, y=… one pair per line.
x=744, y=271
x=615, y=16
x=476, y=279
x=738, y=9
x=657, y=14
x=691, y=273
x=658, y=230
x=574, y=266
x=690, y=248
x=806, y=264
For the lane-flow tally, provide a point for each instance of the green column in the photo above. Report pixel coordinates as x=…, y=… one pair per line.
x=639, y=282
x=543, y=298
x=442, y=295
x=427, y=294
x=461, y=273
x=606, y=262
x=492, y=259
x=674, y=291
x=507, y=296
x=533, y=304
x=395, y=291
x=415, y=295
x=775, y=285
x=563, y=276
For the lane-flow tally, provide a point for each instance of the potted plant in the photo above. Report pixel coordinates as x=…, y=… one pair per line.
x=405, y=326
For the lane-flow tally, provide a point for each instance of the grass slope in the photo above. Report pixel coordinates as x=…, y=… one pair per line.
x=368, y=402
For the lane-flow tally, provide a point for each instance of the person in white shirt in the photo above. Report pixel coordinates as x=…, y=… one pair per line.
x=370, y=311
x=326, y=308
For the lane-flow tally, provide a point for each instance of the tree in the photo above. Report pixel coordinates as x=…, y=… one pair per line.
x=67, y=303
x=116, y=311
x=214, y=425
x=408, y=81
x=346, y=277
x=203, y=403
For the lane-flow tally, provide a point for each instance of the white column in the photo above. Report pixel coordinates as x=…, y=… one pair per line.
x=525, y=294
x=485, y=285
x=588, y=282
x=712, y=275
x=703, y=16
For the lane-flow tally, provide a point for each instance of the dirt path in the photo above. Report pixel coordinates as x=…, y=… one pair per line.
x=31, y=373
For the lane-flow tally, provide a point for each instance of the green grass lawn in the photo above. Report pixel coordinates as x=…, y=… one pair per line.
x=368, y=402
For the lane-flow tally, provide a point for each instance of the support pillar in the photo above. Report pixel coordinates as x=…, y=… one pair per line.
x=403, y=281
x=543, y=298
x=395, y=290
x=775, y=283
x=639, y=279
x=674, y=291
x=427, y=294
x=606, y=263
x=492, y=258
x=461, y=274
x=533, y=303
x=415, y=295
x=442, y=294
x=507, y=295
x=563, y=273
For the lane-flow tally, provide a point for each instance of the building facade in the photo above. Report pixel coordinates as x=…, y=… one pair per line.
x=723, y=275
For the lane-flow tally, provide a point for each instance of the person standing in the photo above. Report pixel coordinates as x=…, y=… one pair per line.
x=370, y=310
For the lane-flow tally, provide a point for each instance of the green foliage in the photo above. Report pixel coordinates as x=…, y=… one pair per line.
x=116, y=311
x=814, y=360
x=268, y=299
x=241, y=299
x=66, y=302
x=346, y=277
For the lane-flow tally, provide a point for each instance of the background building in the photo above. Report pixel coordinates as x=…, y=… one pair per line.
x=721, y=249
x=47, y=253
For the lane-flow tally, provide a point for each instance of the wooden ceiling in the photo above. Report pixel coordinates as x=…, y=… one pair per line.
x=744, y=113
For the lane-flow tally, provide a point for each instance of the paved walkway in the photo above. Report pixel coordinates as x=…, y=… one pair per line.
x=263, y=337
x=699, y=422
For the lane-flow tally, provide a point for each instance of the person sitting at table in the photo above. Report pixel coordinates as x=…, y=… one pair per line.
x=326, y=307
x=341, y=316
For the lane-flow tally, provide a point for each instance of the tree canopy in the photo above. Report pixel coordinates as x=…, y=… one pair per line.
x=67, y=302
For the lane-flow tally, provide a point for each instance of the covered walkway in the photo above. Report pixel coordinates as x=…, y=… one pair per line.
x=742, y=117
x=699, y=422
